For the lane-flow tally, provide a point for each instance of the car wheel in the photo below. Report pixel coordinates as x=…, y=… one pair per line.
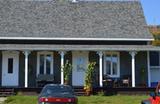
x=146, y=102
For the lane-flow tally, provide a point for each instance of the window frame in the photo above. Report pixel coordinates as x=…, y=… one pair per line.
x=151, y=66
x=158, y=59
x=45, y=53
x=118, y=64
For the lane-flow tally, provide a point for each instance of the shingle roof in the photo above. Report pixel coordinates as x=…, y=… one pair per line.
x=62, y=19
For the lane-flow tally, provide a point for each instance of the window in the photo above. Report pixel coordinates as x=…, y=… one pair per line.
x=80, y=64
x=45, y=63
x=111, y=64
x=10, y=65
x=155, y=59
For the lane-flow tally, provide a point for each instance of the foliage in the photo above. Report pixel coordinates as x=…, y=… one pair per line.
x=101, y=93
x=155, y=32
x=19, y=93
x=116, y=99
x=67, y=69
x=21, y=100
x=89, y=76
x=156, y=35
x=156, y=43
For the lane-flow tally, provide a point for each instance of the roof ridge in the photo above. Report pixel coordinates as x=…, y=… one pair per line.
x=108, y=0
x=78, y=0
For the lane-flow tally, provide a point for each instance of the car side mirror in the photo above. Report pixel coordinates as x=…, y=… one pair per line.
x=153, y=94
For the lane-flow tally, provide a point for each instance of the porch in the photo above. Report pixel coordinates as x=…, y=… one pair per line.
x=79, y=91
x=31, y=65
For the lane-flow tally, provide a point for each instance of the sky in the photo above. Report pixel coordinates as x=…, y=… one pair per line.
x=151, y=10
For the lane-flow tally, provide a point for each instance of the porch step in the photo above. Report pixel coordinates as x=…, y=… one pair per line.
x=79, y=91
x=4, y=92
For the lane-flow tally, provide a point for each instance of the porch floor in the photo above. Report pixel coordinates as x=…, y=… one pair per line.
x=79, y=91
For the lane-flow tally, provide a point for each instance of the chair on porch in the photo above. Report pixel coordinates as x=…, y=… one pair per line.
x=107, y=81
x=125, y=81
x=111, y=81
x=42, y=80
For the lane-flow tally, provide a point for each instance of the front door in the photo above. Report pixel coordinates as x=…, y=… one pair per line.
x=80, y=62
x=10, y=68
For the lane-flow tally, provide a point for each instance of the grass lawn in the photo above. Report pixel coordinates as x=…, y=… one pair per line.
x=117, y=99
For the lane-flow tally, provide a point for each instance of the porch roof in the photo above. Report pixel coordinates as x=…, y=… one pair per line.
x=47, y=47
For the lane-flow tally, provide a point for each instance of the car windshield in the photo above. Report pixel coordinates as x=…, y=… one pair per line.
x=54, y=90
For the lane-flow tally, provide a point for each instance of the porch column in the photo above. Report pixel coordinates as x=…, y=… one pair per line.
x=133, y=54
x=149, y=72
x=62, y=53
x=26, y=53
x=100, y=53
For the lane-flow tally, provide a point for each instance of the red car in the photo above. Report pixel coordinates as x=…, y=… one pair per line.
x=57, y=94
x=154, y=99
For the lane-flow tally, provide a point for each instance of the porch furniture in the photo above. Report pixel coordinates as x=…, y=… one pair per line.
x=110, y=81
x=42, y=80
x=107, y=81
x=116, y=82
x=125, y=81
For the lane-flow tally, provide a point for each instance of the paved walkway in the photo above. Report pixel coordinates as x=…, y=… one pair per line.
x=2, y=99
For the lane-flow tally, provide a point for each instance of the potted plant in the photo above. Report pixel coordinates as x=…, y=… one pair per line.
x=89, y=77
x=67, y=69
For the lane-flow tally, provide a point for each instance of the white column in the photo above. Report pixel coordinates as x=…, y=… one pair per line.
x=133, y=53
x=26, y=53
x=62, y=53
x=149, y=72
x=100, y=53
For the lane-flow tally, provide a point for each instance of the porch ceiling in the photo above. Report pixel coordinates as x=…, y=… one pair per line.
x=54, y=47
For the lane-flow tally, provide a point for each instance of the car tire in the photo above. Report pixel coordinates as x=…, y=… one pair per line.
x=146, y=102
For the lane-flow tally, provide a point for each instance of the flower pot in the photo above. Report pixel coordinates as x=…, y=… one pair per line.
x=66, y=82
x=88, y=93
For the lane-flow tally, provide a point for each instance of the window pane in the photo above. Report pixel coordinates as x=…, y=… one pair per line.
x=108, y=64
x=41, y=64
x=154, y=58
x=48, y=64
x=80, y=64
x=115, y=64
x=10, y=65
